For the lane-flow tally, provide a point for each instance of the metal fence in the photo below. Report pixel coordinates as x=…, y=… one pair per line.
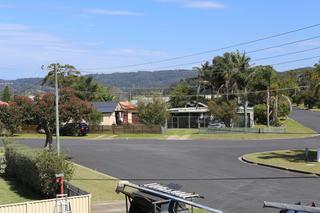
x=184, y=122
x=72, y=190
x=79, y=204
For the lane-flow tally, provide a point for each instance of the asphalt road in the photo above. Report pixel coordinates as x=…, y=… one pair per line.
x=307, y=118
x=211, y=168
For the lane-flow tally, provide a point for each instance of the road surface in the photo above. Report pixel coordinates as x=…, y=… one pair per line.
x=211, y=168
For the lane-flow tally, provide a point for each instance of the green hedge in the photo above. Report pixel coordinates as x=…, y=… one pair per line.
x=36, y=168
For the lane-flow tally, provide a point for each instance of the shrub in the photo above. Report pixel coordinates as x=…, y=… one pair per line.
x=36, y=168
x=260, y=113
x=284, y=108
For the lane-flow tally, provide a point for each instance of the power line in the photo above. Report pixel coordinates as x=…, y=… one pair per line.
x=213, y=50
x=252, y=51
x=285, y=44
x=286, y=54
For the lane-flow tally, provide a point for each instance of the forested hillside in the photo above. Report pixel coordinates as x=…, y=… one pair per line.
x=142, y=79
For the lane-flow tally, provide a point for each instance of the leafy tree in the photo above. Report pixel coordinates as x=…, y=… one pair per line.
x=153, y=113
x=66, y=74
x=181, y=95
x=86, y=88
x=42, y=111
x=6, y=94
x=11, y=118
x=223, y=110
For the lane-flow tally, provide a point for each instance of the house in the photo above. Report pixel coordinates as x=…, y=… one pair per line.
x=193, y=115
x=3, y=103
x=108, y=110
x=117, y=113
x=196, y=114
x=126, y=113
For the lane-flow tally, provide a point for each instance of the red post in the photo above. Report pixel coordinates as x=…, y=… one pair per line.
x=60, y=180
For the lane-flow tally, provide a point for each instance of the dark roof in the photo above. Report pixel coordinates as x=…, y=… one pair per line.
x=105, y=107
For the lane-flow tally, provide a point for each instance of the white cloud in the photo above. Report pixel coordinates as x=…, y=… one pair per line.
x=111, y=12
x=195, y=4
x=23, y=50
x=203, y=5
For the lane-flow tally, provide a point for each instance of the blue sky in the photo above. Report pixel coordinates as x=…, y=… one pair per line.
x=98, y=34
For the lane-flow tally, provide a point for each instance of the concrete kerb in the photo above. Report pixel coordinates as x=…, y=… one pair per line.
x=277, y=167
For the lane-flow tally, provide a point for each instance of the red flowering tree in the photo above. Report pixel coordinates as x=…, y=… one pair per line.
x=71, y=108
x=41, y=111
x=10, y=118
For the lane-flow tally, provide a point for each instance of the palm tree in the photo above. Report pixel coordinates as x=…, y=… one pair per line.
x=242, y=77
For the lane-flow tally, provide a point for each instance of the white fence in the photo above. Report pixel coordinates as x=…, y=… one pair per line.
x=79, y=204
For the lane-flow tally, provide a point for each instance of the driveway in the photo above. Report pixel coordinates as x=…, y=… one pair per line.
x=210, y=168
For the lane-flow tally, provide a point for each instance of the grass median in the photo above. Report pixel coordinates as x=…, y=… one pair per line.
x=287, y=159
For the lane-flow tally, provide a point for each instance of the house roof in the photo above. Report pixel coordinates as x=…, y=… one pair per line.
x=3, y=103
x=105, y=107
x=126, y=105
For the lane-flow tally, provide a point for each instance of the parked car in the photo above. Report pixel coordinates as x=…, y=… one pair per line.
x=216, y=124
x=74, y=129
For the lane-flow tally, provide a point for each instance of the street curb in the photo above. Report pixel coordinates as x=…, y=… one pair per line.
x=278, y=167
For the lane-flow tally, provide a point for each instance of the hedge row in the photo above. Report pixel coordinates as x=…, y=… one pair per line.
x=36, y=168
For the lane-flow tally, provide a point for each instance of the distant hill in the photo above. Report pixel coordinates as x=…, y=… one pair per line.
x=141, y=79
x=136, y=80
x=144, y=79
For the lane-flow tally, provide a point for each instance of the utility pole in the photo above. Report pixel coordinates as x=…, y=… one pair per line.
x=57, y=109
x=268, y=107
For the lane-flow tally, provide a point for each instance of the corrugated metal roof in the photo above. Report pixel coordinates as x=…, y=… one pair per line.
x=105, y=107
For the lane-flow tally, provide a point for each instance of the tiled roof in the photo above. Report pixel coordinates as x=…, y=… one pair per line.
x=3, y=103
x=125, y=105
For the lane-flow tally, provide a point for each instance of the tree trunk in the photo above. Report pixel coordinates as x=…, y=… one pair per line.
x=49, y=139
x=268, y=107
x=227, y=90
x=275, y=109
x=245, y=108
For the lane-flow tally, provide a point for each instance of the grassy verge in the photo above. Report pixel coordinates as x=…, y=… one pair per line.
x=14, y=192
x=287, y=159
x=315, y=110
x=101, y=186
x=294, y=130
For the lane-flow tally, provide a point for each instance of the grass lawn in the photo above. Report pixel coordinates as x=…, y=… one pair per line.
x=14, y=192
x=289, y=159
x=315, y=110
x=101, y=186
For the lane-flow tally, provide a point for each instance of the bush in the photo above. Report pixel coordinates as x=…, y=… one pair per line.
x=283, y=108
x=36, y=168
x=260, y=113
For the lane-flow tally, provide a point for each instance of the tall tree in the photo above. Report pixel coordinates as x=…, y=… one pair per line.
x=181, y=95
x=153, y=113
x=42, y=111
x=6, y=94
x=66, y=74
x=266, y=78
